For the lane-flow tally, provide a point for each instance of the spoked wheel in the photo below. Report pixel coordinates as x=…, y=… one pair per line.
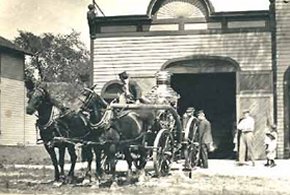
x=163, y=152
x=191, y=155
x=166, y=120
x=191, y=150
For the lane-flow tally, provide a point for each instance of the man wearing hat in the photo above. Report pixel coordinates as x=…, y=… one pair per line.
x=205, y=138
x=130, y=88
x=246, y=127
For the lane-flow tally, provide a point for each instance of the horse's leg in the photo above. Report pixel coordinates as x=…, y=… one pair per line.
x=61, y=150
x=88, y=157
x=53, y=158
x=73, y=159
x=111, y=151
x=129, y=160
x=98, y=153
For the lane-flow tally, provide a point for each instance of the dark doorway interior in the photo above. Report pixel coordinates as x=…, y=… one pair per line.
x=215, y=93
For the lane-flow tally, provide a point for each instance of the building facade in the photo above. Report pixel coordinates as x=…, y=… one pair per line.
x=16, y=128
x=220, y=62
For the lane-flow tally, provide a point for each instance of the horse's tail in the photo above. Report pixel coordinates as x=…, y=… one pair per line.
x=87, y=154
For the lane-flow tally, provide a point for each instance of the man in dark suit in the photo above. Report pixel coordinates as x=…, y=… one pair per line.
x=205, y=138
x=131, y=89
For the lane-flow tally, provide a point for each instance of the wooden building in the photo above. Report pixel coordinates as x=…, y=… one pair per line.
x=16, y=128
x=222, y=62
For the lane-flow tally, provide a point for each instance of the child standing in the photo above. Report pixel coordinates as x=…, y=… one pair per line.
x=271, y=145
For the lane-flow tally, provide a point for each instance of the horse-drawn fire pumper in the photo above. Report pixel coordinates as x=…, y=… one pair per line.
x=154, y=130
x=140, y=131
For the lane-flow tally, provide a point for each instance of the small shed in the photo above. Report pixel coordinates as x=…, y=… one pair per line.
x=16, y=128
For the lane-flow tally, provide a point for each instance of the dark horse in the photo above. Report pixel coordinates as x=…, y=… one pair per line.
x=125, y=132
x=68, y=127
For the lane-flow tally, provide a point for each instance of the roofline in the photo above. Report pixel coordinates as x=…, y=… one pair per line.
x=16, y=50
x=7, y=45
x=145, y=18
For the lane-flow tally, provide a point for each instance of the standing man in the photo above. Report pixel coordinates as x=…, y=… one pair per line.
x=246, y=126
x=91, y=15
x=205, y=138
x=131, y=89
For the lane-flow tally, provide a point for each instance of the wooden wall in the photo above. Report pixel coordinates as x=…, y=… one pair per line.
x=12, y=100
x=283, y=63
x=145, y=55
x=141, y=46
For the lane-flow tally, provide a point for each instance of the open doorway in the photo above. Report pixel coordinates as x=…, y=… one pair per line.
x=215, y=93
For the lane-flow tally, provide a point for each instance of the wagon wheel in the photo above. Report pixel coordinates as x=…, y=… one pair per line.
x=191, y=150
x=191, y=155
x=166, y=120
x=163, y=152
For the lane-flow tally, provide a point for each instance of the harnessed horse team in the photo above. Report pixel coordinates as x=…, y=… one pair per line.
x=102, y=130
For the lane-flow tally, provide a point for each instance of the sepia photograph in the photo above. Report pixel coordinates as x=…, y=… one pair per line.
x=145, y=97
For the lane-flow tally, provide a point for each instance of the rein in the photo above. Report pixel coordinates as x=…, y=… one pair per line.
x=75, y=140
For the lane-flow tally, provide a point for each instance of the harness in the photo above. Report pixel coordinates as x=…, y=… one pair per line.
x=105, y=121
x=55, y=113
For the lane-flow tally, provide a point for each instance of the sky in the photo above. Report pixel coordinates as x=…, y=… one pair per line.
x=60, y=16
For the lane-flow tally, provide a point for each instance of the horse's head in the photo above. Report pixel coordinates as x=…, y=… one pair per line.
x=93, y=103
x=36, y=98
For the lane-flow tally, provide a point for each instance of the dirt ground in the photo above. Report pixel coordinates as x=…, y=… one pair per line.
x=223, y=177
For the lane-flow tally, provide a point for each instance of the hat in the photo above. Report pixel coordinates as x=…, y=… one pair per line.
x=190, y=109
x=246, y=111
x=200, y=112
x=123, y=75
x=91, y=6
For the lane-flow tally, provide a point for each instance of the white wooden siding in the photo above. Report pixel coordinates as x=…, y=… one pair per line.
x=145, y=55
x=283, y=62
x=12, y=112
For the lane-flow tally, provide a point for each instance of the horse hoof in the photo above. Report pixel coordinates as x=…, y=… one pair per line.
x=86, y=182
x=70, y=179
x=114, y=185
x=142, y=177
x=57, y=184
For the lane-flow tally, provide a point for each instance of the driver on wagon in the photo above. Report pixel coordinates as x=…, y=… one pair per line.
x=131, y=90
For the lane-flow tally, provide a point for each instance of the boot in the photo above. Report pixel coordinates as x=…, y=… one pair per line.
x=267, y=164
x=273, y=164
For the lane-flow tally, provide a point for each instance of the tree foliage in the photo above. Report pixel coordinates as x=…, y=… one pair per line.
x=58, y=58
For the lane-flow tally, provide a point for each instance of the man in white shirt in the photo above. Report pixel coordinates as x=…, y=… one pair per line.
x=246, y=126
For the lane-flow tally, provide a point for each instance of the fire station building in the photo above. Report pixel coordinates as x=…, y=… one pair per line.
x=221, y=62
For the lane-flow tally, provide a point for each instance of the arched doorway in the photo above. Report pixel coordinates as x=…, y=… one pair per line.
x=208, y=83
